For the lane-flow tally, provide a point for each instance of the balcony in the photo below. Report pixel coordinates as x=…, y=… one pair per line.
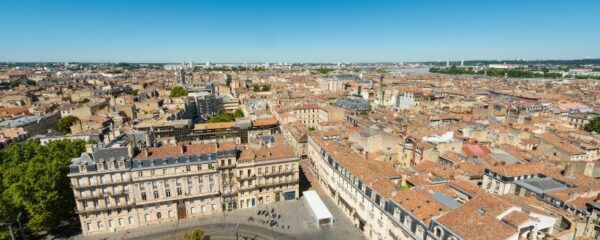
x=246, y=177
x=118, y=193
x=226, y=166
x=106, y=208
x=229, y=194
x=276, y=183
x=247, y=187
x=274, y=174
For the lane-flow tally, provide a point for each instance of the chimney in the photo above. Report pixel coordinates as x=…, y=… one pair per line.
x=130, y=150
x=89, y=148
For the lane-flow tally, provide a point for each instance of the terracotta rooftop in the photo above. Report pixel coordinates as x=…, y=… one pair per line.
x=221, y=125
x=477, y=219
x=420, y=204
x=168, y=151
x=265, y=121
x=519, y=169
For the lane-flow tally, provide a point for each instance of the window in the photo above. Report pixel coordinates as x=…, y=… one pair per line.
x=438, y=232
x=407, y=221
x=178, y=191
x=143, y=196
x=155, y=194
x=419, y=232
x=241, y=173
x=168, y=193
x=158, y=215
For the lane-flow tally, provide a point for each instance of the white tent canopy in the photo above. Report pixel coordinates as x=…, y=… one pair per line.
x=318, y=208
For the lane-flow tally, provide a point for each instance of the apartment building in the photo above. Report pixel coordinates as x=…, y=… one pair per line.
x=117, y=187
x=373, y=194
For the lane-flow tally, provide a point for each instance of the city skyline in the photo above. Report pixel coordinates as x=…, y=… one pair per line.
x=254, y=32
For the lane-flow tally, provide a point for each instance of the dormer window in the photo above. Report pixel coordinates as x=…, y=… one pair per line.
x=82, y=168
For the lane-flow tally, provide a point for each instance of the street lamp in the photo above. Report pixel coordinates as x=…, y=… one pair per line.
x=20, y=227
x=236, y=229
x=9, y=229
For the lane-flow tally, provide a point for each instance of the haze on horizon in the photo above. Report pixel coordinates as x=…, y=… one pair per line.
x=297, y=31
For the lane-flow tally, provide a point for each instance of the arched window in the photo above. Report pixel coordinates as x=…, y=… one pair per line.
x=407, y=221
x=419, y=232
x=438, y=231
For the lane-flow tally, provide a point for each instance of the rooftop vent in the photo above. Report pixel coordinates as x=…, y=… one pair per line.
x=480, y=211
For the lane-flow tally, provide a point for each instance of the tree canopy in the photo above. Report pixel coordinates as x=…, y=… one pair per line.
x=178, y=92
x=593, y=125
x=34, y=182
x=197, y=234
x=324, y=70
x=65, y=123
x=515, y=73
x=226, y=117
x=261, y=88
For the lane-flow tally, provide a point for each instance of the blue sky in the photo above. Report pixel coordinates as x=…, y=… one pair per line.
x=297, y=31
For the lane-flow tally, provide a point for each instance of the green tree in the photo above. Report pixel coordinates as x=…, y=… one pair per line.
x=261, y=88
x=593, y=125
x=178, y=92
x=238, y=113
x=65, y=123
x=324, y=70
x=197, y=234
x=34, y=181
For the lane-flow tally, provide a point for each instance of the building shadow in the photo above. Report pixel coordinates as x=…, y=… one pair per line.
x=304, y=183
